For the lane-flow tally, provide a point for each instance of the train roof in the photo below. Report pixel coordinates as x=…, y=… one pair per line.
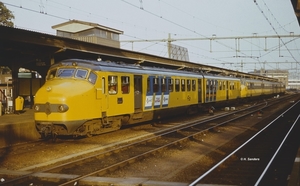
x=136, y=68
x=131, y=68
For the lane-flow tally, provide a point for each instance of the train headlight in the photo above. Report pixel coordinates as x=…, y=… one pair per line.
x=62, y=108
x=36, y=108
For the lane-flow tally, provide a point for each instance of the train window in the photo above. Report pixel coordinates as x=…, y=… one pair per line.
x=125, y=84
x=51, y=74
x=103, y=34
x=231, y=86
x=199, y=85
x=112, y=84
x=171, y=86
x=92, y=78
x=193, y=85
x=155, y=85
x=80, y=73
x=207, y=84
x=66, y=72
x=214, y=85
x=183, y=85
x=188, y=84
x=220, y=85
x=163, y=85
x=177, y=86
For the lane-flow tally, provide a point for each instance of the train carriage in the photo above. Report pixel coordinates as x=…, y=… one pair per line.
x=253, y=87
x=83, y=98
x=218, y=88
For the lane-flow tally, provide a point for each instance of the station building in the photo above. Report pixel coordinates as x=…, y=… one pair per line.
x=89, y=32
x=294, y=84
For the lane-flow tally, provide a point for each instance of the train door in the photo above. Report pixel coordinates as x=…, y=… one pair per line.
x=101, y=96
x=157, y=81
x=165, y=91
x=214, y=90
x=149, y=93
x=138, y=92
x=211, y=90
x=199, y=91
x=157, y=95
x=207, y=90
x=227, y=90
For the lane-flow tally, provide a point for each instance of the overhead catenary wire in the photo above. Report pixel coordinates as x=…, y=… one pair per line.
x=45, y=5
x=273, y=28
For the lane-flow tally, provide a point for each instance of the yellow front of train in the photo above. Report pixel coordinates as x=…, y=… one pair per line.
x=66, y=101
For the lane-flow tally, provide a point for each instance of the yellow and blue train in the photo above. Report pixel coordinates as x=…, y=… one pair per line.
x=84, y=97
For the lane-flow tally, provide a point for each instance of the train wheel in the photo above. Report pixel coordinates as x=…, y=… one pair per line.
x=54, y=137
x=191, y=110
x=88, y=134
x=45, y=136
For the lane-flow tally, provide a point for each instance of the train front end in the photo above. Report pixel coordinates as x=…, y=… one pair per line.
x=66, y=101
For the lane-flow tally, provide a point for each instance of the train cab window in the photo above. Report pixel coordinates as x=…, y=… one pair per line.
x=171, y=85
x=188, y=85
x=163, y=85
x=67, y=72
x=177, y=85
x=193, y=85
x=92, y=78
x=81, y=73
x=51, y=74
x=125, y=84
x=112, y=84
x=155, y=85
x=183, y=85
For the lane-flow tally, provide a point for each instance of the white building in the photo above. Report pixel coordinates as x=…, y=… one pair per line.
x=89, y=32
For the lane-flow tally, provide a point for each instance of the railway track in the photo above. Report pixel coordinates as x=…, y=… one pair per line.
x=106, y=162
x=263, y=159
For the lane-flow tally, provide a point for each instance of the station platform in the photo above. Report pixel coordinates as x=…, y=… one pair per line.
x=17, y=128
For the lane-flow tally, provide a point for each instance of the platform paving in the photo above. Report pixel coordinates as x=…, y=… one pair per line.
x=17, y=128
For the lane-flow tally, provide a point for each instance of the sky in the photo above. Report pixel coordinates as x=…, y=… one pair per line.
x=183, y=20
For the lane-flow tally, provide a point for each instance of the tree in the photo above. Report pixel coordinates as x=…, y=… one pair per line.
x=6, y=16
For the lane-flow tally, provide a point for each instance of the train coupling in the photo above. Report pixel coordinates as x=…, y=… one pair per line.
x=46, y=130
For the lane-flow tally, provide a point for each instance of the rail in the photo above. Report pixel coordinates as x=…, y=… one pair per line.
x=165, y=139
x=262, y=175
